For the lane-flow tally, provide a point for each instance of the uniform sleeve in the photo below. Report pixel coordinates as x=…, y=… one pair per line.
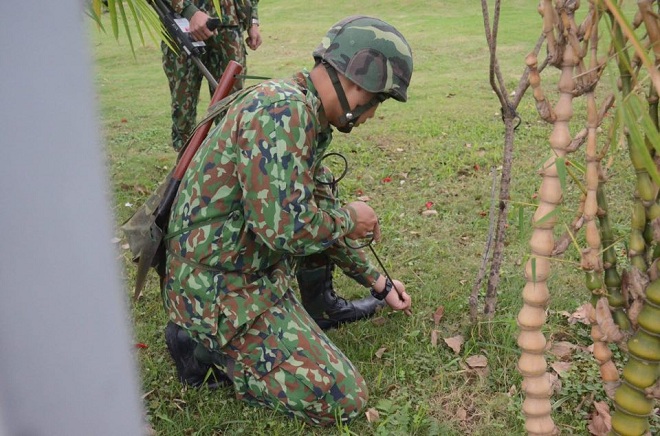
x=185, y=8
x=353, y=262
x=255, y=9
x=275, y=160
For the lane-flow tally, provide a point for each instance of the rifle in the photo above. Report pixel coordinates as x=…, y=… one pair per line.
x=145, y=230
x=176, y=27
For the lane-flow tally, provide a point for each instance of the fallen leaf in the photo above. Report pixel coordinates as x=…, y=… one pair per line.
x=124, y=120
x=429, y=204
x=434, y=338
x=437, y=316
x=555, y=383
x=372, y=415
x=429, y=212
x=562, y=349
x=380, y=352
x=379, y=321
x=455, y=343
x=140, y=345
x=477, y=361
x=581, y=315
x=364, y=198
x=359, y=192
x=387, y=179
x=561, y=367
x=600, y=422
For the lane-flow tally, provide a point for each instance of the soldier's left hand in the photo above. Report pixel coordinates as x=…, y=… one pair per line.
x=254, y=37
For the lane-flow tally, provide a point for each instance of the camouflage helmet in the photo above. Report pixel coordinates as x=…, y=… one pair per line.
x=370, y=53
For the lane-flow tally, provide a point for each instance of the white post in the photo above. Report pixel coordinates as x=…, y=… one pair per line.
x=66, y=364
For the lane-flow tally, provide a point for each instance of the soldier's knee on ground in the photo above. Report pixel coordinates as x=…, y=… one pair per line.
x=342, y=402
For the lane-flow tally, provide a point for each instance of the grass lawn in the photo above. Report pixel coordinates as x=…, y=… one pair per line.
x=438, y=148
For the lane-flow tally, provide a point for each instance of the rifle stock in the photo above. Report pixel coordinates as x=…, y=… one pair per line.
x=222, y=90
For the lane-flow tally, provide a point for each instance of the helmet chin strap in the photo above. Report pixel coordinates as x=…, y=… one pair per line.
x=347, y=120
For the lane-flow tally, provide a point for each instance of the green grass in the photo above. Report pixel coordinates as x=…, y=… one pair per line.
x=439, y=148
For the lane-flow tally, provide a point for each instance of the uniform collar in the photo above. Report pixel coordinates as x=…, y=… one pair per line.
x=304, y=80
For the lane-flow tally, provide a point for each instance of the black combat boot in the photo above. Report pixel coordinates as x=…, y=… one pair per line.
x=191, y=370
x=324, y=305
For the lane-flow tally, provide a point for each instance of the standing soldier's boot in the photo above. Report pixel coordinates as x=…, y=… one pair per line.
x=324, y=305
x=192, y=370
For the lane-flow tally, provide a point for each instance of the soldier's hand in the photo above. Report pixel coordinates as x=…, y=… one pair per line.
x=366, y=222
x=398, y=298
x=254, y=37
x=198, y=29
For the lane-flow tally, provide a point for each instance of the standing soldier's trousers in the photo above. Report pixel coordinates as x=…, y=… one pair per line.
x=284, y=361
x=185, y=78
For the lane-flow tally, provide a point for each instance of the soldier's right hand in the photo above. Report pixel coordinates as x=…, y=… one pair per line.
x=366, y=221
x=198, y=28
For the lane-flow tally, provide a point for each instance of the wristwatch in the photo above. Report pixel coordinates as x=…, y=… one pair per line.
x=381, y=295
x=255, y=22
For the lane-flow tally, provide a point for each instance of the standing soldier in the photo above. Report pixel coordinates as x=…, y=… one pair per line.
x=252, y=203
x=222, y=45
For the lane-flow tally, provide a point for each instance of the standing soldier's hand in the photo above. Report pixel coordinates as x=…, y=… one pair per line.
x=254, y=37
x=198, y=28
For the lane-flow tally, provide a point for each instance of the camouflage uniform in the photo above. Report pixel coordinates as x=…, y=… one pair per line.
x=254, y=199
x=185, y=79
x=248, y=205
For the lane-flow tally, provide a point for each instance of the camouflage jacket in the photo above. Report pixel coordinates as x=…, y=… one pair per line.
x=248, y=205
x=234, y=12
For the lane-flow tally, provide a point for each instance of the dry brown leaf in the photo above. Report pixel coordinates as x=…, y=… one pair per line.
x=379, y=353
x=582, y=314
x=635, y=307
x=562, y=349
x=477, y=361
x=372, y=415
x=434, y=338
x=429, y=212
x=611, y=331
x=600, y=423
x=555, y=383
x=653, y=391
x=364, y=198
x=379, y=321
x=455, y=343
x=610, y=388
x=561, y=367
x=437, y=316
x=634, y=282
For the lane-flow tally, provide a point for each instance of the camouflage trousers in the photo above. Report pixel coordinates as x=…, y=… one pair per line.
x=185, y=78
x=285, y=362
